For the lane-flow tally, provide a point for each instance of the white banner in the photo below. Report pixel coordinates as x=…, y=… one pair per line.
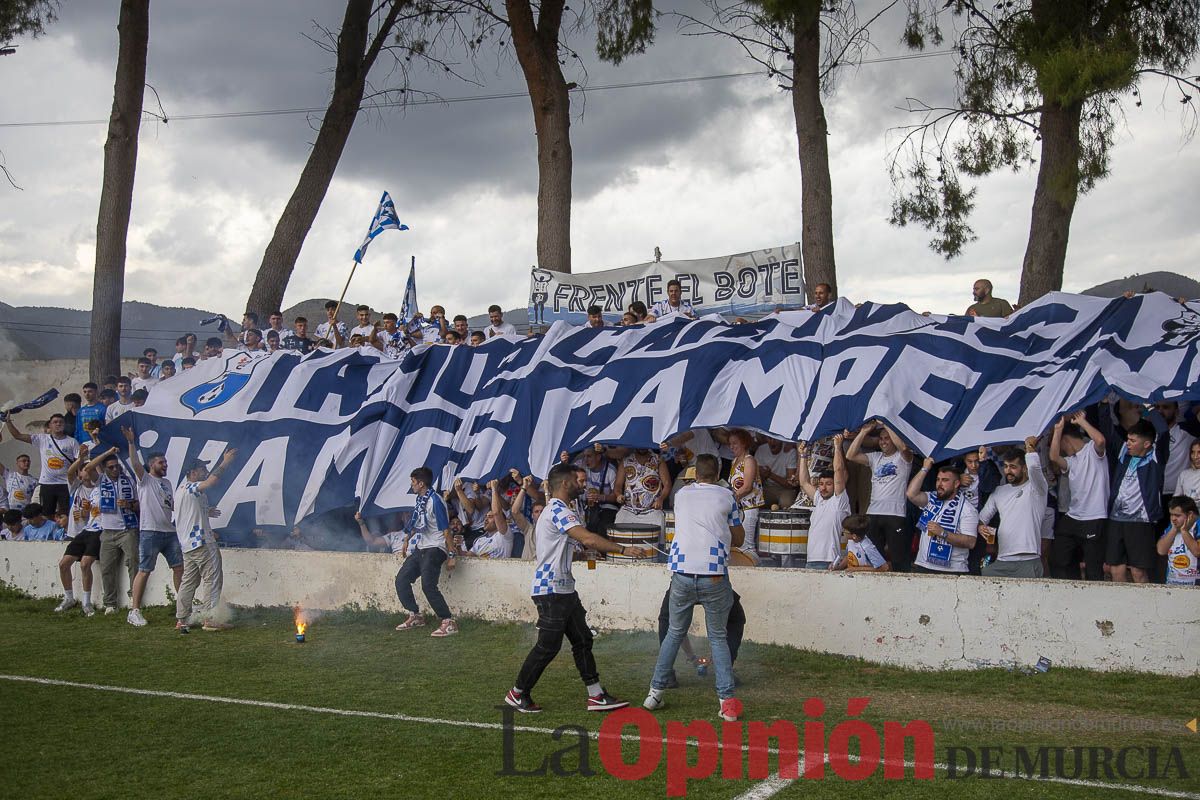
x=746, y=284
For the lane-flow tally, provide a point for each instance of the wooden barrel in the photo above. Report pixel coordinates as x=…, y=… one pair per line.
x=635, y=535
x=783, y=533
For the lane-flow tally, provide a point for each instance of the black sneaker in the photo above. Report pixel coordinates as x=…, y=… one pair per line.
x=605, y=702
x=522, y=702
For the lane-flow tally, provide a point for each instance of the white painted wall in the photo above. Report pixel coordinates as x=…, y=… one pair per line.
x=908, y=620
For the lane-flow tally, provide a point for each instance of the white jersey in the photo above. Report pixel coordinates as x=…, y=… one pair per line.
x=56, y=456
x=1188, y=484
x=825, y=527
x=955, y=515
x=663, y=309
x=889, y=482
x=503, y=329
x=1178, y=455
x=554, y=550
x=498, y=544
x=80, y=513
x=156, y=503
x=395, y=541
x=1183, y=568
x=365, y=331
x=429, y=521
x=19, y=488
x=192, y=526
x=704, y=513
x=117, y=409
x=325, y=330
x=109, y=493
x=1088, y=471
x=863, y=554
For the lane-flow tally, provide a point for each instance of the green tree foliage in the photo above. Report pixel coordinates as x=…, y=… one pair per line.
x=19, y=18
x=1025, y=70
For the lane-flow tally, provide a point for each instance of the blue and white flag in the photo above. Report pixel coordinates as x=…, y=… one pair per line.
x=385, y=219
x=409, y=311
x=42, y=399
x=338, y=428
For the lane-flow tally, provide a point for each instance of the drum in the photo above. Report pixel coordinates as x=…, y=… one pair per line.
x=783, y=533
x=743, y=558
x=635, y=535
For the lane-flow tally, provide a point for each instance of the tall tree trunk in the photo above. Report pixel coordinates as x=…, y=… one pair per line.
x=812, y=136
x=116, y=191
x=537, y=51
x=1053, y=202
x=354, y=61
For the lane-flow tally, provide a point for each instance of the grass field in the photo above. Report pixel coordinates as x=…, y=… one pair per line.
x=425, y=695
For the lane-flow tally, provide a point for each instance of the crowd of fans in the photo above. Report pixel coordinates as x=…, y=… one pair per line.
x=1107, y=493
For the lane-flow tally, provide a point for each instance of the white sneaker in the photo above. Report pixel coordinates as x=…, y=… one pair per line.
x=109, y=610
x=135, y=618
x=654, y=701
x=67, y=603
x=89, y=610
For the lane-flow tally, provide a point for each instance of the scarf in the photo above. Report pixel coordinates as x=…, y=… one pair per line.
x=944, y=512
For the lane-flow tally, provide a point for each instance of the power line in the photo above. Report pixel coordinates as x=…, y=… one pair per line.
x=426, y=101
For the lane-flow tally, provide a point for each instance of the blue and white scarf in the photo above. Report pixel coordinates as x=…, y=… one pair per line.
x=945, y=512
x=419, y=521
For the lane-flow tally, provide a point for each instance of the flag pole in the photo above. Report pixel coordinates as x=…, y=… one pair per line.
x=345, y=289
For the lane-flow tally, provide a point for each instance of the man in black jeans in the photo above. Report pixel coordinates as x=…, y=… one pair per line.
x=428, y=531
x=560, y=613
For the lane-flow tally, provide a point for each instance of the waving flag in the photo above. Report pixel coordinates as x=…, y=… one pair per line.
x=341, y=427
x=408, y=312
x=37, y=402
x=385, y=218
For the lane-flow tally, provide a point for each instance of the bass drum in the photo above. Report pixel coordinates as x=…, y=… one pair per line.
x=634, y=535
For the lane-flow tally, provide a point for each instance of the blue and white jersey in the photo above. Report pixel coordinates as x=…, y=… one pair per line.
x=554, y=550
x=663, y=309
x=192, y=526
x=429, y=519
x=704, y=512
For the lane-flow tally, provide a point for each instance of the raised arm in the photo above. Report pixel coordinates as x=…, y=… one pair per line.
x=16, y=434
x=802, y=474
x=1033, y=462
x=497, y=504
x=914, y=494
x=1098, y=440
x=76, y=465
x=134, y=460
x=371, y=539
x=212, y=478
x=839, y=465
x=518, y=503
x=1056, y=456
x=905, y=452
x=664, y=484
x=854, y=453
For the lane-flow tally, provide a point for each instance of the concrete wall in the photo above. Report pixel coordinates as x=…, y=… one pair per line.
x=907, y=620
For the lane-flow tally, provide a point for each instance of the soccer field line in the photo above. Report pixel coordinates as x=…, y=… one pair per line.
x=768, y=788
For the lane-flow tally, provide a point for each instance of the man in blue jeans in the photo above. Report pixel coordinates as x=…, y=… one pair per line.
x=708, y=525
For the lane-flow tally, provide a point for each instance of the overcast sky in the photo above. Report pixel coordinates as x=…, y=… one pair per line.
x=699, y=169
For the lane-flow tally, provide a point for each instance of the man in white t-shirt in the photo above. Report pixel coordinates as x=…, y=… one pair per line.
x=116, y=498
x=949, y=524
x=560, y=614
x=156, y=508
x=498, y=326
x=432, y=546
x=1021, y=504
x=275, y=323
x=708, y=525
x=332, y=329
x=886, y=514
x=83, y=533
x=56, y=450
x=19, y=485
x=673, y=306
x=201, y=556
x=831, y=506
x=1179, y=543
x=144, y=379
x=1078, y=451
x=365, y=328
x=124, y=400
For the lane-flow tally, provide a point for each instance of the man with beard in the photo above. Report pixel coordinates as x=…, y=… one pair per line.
x=831, y=506
x=1021, y=503
x=949, y=523
x=560, y=613
x=985, y=305
x=156, y=534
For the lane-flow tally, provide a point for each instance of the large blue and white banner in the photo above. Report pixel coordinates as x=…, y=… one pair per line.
x=744, y=284
x=346, y=427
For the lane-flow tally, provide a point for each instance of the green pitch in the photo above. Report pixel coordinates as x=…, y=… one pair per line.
x=431, y=702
